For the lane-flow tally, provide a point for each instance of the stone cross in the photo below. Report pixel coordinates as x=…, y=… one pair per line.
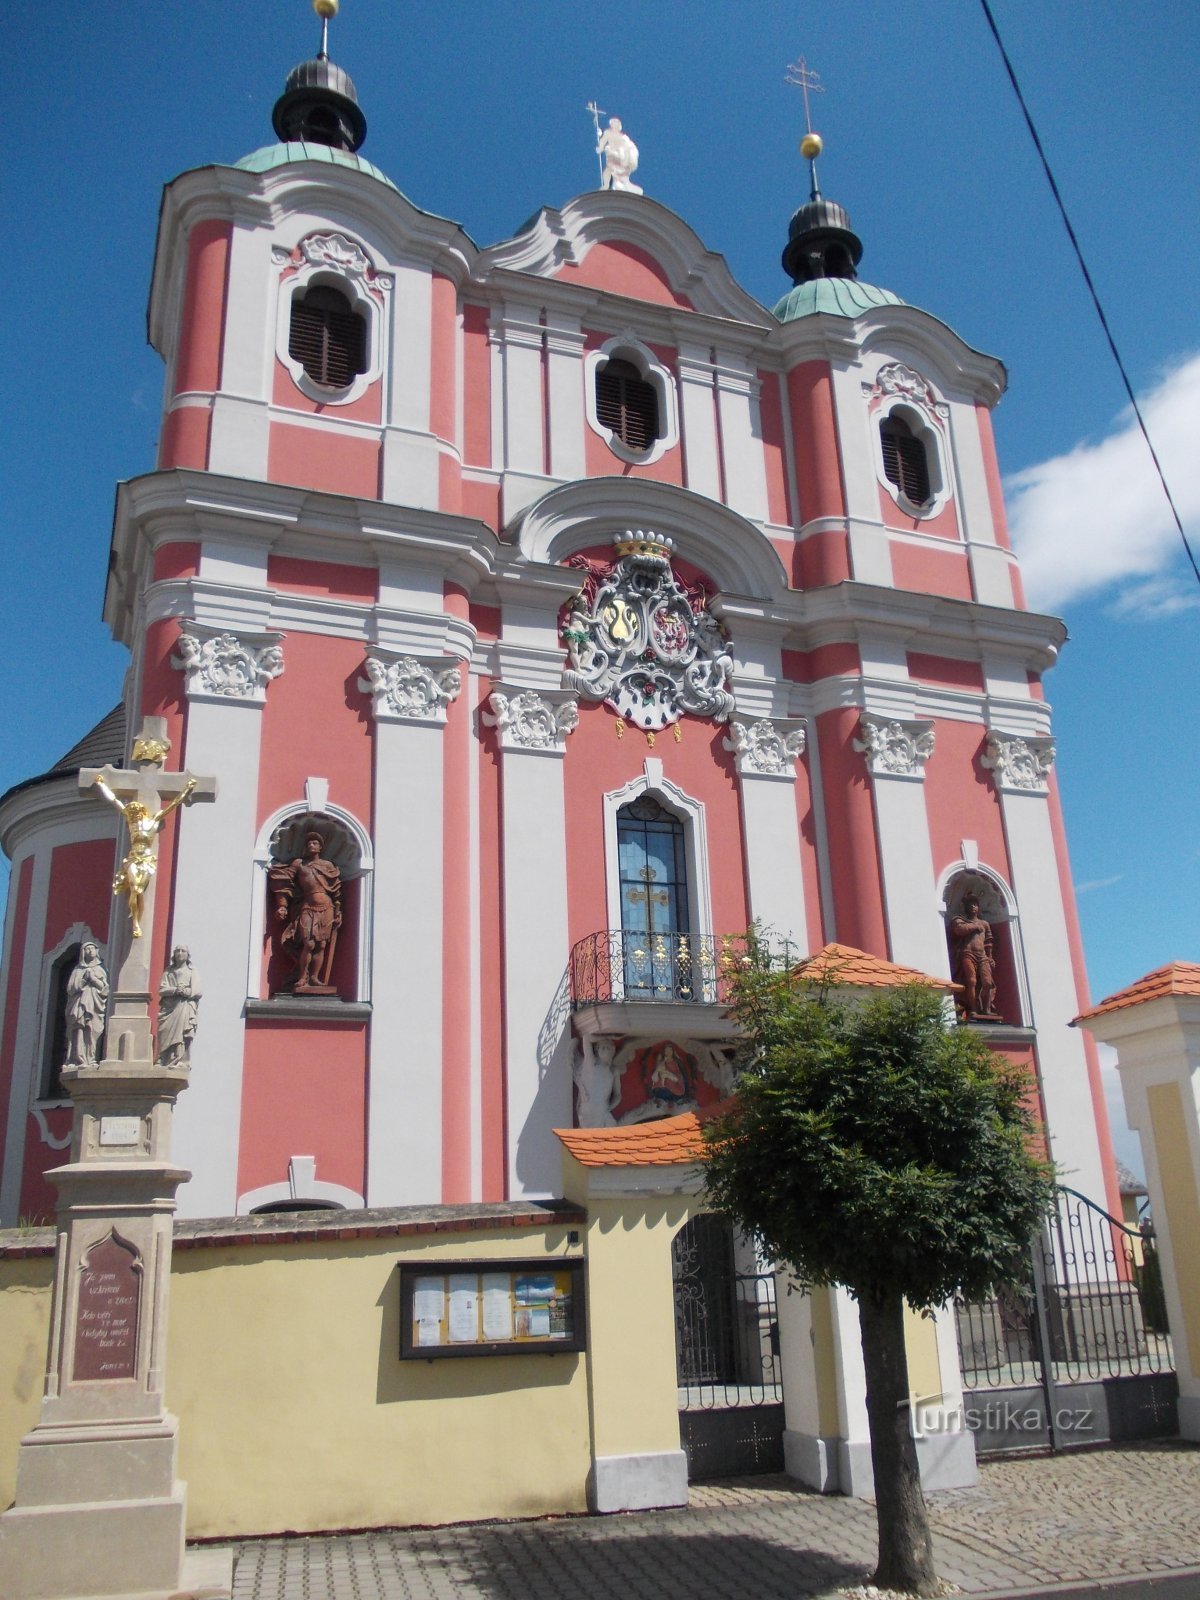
x=139, y=796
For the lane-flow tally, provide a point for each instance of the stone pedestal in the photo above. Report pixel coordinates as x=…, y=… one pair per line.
x=99, y=1510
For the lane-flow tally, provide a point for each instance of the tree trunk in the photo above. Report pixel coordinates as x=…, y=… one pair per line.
x=905, y=1546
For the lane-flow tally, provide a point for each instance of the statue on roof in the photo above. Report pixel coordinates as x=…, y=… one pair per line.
x=618, y=155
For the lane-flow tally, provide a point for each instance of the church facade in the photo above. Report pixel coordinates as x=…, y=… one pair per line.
x=548, y=613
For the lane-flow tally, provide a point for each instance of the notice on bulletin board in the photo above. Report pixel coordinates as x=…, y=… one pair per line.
x=491, y=1307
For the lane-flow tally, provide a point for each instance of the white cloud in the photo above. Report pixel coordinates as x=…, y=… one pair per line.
x=1098, y=883
x=1096, y=518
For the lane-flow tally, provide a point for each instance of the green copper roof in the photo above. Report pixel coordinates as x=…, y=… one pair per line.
x=836, y=297
x=279, y=155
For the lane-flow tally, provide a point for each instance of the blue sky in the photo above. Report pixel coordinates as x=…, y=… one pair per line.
x=476, y=110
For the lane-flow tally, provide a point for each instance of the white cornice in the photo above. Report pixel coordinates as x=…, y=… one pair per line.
x=399, y=231
x=556, y=238
x=50, y=805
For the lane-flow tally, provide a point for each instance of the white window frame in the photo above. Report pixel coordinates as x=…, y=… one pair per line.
x=940, y=489
x=695, y=835
x=352, y=285
x=624, y=347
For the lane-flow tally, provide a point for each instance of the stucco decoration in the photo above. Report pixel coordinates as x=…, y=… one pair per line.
x=766, y=749
x=333, y=252
x=409, y=690
x=530, y=721
x=901, y=381
x=644, y=643
x=1021, y=766
x=894, y=749
x=222, y=666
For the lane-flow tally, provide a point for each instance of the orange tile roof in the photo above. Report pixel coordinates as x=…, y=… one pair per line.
x=1176, y=978
x=666, y=1142
x=841, y=963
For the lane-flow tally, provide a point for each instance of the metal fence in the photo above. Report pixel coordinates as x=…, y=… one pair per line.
x=726, y=1328
x=1092, y=1303
x=669, y=966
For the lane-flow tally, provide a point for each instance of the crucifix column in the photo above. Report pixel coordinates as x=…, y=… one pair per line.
x=99, y=1509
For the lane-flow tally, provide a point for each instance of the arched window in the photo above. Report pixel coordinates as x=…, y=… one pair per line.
x=628, y=404
x=655, y=921
x=905, y=462
x=327, y=337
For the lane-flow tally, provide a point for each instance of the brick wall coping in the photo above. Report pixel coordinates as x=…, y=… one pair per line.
x=301, y=1227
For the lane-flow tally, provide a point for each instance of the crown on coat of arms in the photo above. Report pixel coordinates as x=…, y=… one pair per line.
x=637, y=543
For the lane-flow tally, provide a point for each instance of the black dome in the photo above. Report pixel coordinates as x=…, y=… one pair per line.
x=821, y=243
x=319, y=105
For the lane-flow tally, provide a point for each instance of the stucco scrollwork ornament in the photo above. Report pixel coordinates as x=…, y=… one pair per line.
x=531, y=721
x=901, y=381
x=1021, y=765
x=334, y=250
x=222, y=666
x=641, y=641
x=766, y=749
x=409, y=690
x=894, y=749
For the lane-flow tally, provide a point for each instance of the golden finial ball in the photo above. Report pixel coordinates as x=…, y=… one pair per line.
x=811, y=146
x=325, y=8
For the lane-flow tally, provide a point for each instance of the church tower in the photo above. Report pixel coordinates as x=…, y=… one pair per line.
x=548, y=612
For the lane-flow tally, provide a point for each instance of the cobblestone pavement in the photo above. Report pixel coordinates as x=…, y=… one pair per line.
x=1028, y=1523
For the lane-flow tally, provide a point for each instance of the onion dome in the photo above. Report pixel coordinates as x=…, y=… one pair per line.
x=319, y=104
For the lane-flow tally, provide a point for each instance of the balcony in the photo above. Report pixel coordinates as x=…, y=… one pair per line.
x=638, y=983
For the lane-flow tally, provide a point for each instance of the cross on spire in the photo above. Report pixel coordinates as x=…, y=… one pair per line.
x=808, y=81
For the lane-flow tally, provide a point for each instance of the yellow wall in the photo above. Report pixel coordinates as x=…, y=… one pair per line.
x=920, y=1346
x=295, y=1410
x=631, y=1323
x=1169, y=1125
x=24, y=1332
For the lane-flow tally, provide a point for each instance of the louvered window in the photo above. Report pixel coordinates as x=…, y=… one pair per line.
x=904, y=460
x=327, y=338
x=627, y=404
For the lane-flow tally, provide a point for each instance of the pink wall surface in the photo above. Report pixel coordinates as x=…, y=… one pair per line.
x=314, y=459
x=285, y=392
x=329, y=579
x=477, y=418
x=814, y=431
x=850, y=825
x=457, y=754
x=929, y=571
x=178, y=559
x=774, y=449
x=202, y=319
x=184, y=438
x=20, y=889
x=624, y=269
x=945, y=672
x=304, y=1092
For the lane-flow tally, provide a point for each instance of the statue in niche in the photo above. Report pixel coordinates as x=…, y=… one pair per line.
x=598, y=1083
x=308, y=905
x=87, y=998
x=178, y=1005
x=974, y=962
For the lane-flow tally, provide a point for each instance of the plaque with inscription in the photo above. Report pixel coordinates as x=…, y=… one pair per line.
x=106, y=1324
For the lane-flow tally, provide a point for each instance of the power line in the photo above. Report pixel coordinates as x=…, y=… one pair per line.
x=1087, y=278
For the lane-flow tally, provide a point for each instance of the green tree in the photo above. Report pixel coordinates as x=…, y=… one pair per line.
x=872, y=1146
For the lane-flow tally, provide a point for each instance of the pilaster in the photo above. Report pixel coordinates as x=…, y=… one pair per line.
x=766, y=754
x=404, y=1152
x=532, y=726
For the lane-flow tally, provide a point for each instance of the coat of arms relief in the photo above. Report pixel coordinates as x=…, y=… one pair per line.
x=645, y=643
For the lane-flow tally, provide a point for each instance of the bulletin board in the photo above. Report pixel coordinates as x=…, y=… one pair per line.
x=482, y=1308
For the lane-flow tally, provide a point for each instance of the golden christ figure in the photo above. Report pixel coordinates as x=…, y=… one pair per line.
x=137, y=869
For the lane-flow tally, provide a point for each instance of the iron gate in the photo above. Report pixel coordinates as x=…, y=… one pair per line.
x=1079, y=1352
x=727, y=1353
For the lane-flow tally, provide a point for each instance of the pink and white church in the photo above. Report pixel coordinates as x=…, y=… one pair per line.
x=586, y=610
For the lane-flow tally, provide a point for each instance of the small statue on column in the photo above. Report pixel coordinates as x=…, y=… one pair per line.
x=87, y=998
x=974, y=962
x=308, y=903
x=178, y=1008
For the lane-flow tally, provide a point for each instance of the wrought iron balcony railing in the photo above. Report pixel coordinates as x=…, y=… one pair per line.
x=669, y=967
